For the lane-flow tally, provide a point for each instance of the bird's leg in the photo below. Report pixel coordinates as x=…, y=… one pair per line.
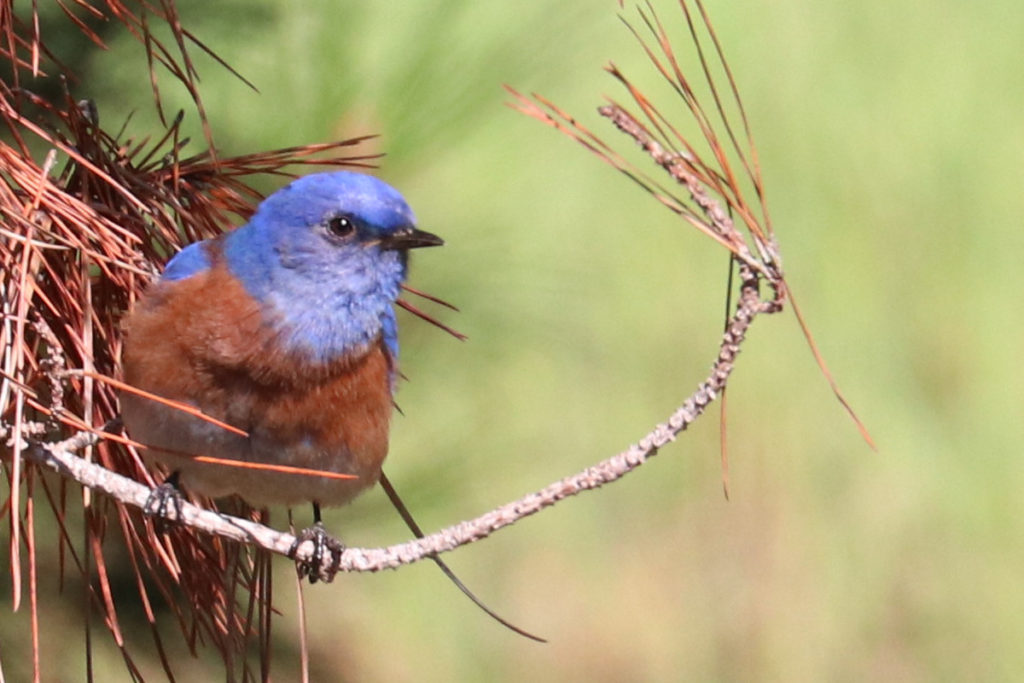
x=161, y=499
x=322, y=543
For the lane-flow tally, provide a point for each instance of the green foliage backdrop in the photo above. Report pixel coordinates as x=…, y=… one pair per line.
x=891, y=142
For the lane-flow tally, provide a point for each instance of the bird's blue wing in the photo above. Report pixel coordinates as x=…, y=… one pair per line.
x=190, y=261
x=390, y=332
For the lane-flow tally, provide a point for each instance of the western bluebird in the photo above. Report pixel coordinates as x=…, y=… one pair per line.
x=284, y=329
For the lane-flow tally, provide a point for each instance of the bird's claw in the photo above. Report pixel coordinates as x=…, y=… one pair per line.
x=160, y=501
x=323, y=543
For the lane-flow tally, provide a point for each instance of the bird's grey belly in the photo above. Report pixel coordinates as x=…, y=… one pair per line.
x=174, y=438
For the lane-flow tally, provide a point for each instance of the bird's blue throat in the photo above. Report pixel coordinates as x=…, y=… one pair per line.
x=323, y=308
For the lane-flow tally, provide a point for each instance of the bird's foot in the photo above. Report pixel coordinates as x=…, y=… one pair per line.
x=161, y=501
x=323, y=544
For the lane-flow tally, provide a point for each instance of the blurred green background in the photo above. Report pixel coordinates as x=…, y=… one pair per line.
x=891, y=140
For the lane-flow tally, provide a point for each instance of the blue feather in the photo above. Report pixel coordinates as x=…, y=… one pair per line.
x=190, y=261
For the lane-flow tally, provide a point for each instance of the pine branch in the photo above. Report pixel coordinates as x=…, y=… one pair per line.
x=62, y=458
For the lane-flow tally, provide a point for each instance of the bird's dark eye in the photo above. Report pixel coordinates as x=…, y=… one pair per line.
x=341, y=226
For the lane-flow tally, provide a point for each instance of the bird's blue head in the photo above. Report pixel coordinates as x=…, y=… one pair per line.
x=326, y=256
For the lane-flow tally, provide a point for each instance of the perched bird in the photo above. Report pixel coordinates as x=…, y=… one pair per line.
x=285, y=330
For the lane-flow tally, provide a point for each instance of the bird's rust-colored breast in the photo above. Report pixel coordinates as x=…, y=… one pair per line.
x=204, y=341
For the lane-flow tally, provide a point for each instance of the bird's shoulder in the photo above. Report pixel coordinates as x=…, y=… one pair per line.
x=196, y=313
x=191, y=260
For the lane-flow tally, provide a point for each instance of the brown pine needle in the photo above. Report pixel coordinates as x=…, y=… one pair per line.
x=268, y=467
x=820, y=360
x=177, y=405
x=429, y=297
x=419, y=313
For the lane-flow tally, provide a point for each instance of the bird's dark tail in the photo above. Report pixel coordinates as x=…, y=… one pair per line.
x=415, y=529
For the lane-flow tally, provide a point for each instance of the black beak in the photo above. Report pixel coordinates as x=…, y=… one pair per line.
x=411, y=238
